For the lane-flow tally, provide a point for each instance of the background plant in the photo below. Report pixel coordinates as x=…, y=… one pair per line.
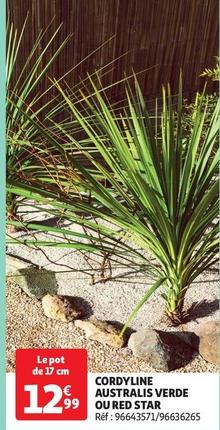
x=162, y=193
x=190, y=108
x=214, y=73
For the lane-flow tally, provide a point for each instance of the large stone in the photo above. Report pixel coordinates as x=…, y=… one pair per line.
x=60, y=307
x=208, y=333
x=162, y=350
x=101, y=331
x=34, y=282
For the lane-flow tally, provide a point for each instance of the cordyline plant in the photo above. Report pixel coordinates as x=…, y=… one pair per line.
x=162, y=190
x=25, y=101
x=23, y=95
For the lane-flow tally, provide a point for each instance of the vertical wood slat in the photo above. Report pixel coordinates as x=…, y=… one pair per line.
x=163, y=34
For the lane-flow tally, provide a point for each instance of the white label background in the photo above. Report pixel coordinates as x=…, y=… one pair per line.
x=203, y=398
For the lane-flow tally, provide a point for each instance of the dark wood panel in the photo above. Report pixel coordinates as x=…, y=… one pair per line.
x=162, y=35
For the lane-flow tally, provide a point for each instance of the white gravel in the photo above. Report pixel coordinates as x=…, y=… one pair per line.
x=113, y=300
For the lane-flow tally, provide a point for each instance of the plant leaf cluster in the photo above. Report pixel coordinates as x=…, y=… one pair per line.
x=151, y=194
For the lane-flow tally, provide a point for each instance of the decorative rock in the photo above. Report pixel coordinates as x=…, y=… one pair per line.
x=208, y=333
x=60, y=307
x=101, y=331
x=34, y=282
x=163, y=351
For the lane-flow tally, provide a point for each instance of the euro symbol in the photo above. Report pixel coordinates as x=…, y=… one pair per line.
x=66, y=390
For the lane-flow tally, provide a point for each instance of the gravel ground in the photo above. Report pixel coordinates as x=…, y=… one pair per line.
x=28, y=327
x=112, y=301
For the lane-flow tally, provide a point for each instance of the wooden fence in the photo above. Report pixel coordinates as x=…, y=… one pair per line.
x=159, y=35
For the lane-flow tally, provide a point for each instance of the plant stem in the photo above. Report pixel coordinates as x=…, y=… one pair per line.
x=175, y=301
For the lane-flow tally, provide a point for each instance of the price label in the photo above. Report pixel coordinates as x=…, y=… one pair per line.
x=51, y=384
